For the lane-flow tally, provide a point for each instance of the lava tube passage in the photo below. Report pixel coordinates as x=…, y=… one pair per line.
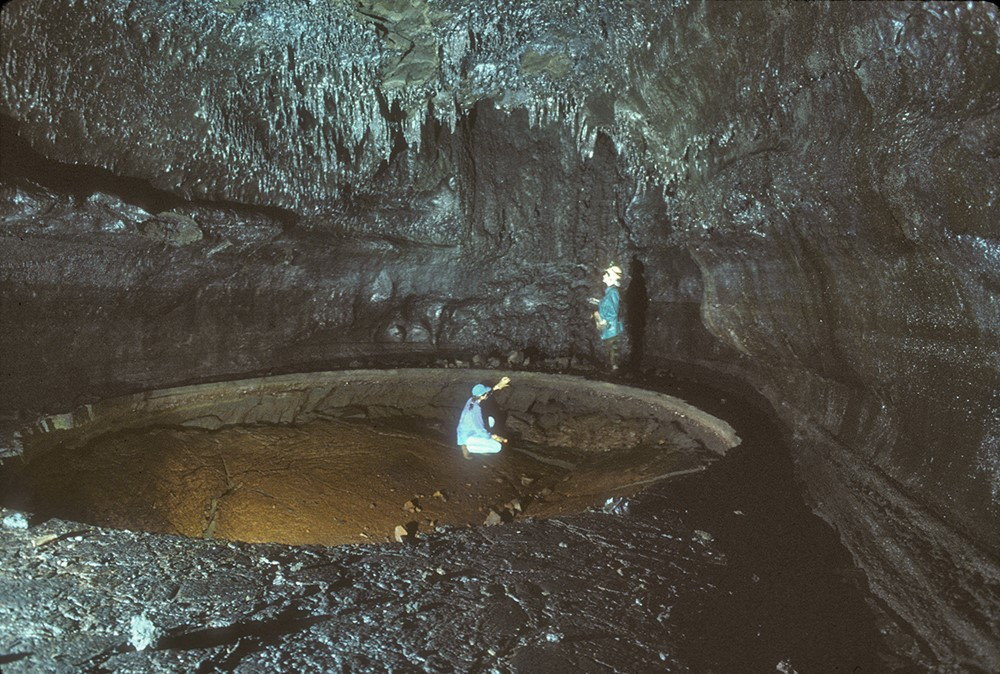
x=355, y=456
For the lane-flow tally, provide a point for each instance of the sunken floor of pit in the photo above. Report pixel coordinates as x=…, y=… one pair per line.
x=328, y=482
x=352, y=457
x=723, y=569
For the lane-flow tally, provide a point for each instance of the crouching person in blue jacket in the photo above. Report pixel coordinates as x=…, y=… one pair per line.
x=475, y=432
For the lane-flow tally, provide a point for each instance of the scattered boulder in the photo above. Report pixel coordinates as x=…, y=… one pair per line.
x=616, y=505
x=142, y=632
x=400, y=533
x=492, y=519
x=173, y=228
x=785, y=667
x=703, y=536
x=15, y=520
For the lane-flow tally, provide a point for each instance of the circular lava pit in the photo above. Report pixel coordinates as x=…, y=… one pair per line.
x=353, y=456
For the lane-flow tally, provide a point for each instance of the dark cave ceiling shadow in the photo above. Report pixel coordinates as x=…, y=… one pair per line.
x=21, y=165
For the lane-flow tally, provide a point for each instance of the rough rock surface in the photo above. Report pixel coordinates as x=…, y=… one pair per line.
x=804, y=197
x=324, y=458
x=633, y=586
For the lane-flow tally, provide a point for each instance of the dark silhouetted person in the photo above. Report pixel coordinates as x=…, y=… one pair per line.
x=636, y=302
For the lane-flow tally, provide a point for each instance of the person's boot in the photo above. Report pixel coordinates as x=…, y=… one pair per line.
x=465, y=452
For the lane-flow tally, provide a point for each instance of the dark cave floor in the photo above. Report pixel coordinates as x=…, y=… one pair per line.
x=721, y=570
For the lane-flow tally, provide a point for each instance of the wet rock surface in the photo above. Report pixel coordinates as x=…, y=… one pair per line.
x=803, y=197
x=327, y=458
x=723, y=570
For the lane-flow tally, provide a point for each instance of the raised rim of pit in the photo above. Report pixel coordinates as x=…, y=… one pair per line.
x=431, y=394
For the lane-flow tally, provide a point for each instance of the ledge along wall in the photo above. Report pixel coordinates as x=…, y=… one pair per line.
x=630, y=416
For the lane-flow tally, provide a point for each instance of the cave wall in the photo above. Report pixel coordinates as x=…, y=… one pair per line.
x=849, y=257
x=127, y=292
x=809, y=191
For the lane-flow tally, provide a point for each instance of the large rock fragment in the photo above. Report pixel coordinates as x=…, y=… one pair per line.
x=172, y=228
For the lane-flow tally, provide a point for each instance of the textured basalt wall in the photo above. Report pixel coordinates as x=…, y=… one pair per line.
x=809, y=192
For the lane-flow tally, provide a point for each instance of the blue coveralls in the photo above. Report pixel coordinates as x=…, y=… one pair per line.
x=472, y=432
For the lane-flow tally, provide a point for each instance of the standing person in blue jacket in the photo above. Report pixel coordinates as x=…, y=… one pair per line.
x=607, y=317
x=475, y=432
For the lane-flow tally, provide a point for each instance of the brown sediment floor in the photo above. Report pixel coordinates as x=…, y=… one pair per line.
x=722, y=570
x=327, y=482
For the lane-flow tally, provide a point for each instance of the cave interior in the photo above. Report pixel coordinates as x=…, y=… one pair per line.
x=238, y=237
